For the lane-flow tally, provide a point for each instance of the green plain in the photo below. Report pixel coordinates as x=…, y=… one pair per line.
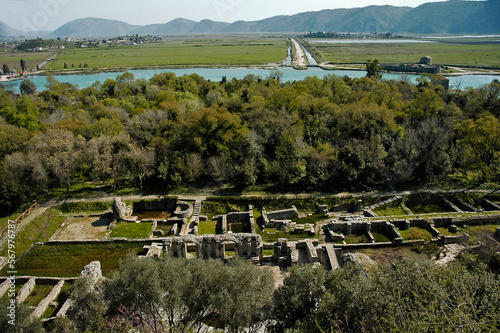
x=203, y=52
x=457, y=52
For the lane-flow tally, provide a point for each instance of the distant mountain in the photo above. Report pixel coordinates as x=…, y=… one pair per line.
x=94, y=27
x=450, y=17
x=177, y=26
x=366, y=19
x=6, y=31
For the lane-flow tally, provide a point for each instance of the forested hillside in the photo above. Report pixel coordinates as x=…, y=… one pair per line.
x=319, y=134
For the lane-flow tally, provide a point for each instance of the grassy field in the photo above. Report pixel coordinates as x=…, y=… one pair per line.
x=456, y=52
x=132, y=230
x=203, y=52
x=12, y=59
x=68, y=260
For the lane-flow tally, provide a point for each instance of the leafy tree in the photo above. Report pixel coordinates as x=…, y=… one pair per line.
x=61, y=152
x=298, y=298
x=5, y=69
x=373, y=69
x=481, y=137
x=24, y=114
x=27, y=87
x=23, y=322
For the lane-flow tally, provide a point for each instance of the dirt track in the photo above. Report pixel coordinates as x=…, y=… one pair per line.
x=300, y=59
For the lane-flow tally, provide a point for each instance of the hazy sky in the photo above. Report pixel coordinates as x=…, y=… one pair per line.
x=50, y=14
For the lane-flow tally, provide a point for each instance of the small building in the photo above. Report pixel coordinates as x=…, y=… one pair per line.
x=426, y=60
x=445, y=82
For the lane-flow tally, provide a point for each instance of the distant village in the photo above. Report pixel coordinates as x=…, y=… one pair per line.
x=43, y=44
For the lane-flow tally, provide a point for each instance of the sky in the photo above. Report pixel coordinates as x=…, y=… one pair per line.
x=28, y=15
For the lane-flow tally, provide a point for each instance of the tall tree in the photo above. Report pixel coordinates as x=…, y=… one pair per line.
x=373, y=68
x=5, y=69
x=23, y=64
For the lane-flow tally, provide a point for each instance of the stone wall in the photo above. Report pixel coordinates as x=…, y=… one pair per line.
x=158, y=205
x=412, y=68
x=284, y=214
x=183, y=209
x=236, y=217
x=122, y=212
x=25, y=290
x=488, y=205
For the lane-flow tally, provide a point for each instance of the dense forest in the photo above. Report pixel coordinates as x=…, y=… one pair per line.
x=327, y=134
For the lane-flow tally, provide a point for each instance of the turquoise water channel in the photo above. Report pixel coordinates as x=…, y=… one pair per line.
x=216, y=74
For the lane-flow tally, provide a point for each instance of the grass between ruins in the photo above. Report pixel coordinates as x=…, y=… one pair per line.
x=68, y=260
x=54, y=307
x=132, y=230
x=39, y=230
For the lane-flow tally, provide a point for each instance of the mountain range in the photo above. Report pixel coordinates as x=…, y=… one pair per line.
x=450, y=17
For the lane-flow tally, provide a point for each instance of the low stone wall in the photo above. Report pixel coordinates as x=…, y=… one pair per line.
x=488, y=205
x=122, y=212
x=462, y=238
x=236, y=217
x=465, y=206
x=279, y=215
x=451, y=206
x=25, y=290
x=411, y=68
x=44, y=304
x=183, y=209
x=383, y=202
x=158, y=205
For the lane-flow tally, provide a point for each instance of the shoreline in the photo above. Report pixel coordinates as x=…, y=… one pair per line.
x=463, y=71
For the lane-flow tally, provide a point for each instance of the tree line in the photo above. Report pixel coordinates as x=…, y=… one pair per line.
x=329, y=133
x=178, y=295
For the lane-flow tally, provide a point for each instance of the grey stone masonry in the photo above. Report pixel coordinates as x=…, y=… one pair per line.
x=4, y=287
x=25, y=290
x=62, y=311
x=92, y=272
x=122, y=212
x=183, y=209
x=463, y=205
x=44, y=304
x=384, y=202
x=451, y=206
x=330, y=259
x=279, y=215
x=488, y=205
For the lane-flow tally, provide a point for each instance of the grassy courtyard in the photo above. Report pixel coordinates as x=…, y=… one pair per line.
x=68, y=260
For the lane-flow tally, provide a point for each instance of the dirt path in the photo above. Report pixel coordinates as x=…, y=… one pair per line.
x=300, y=59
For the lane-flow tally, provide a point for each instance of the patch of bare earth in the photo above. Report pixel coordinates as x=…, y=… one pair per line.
x=391, y=254
x=83, y=228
